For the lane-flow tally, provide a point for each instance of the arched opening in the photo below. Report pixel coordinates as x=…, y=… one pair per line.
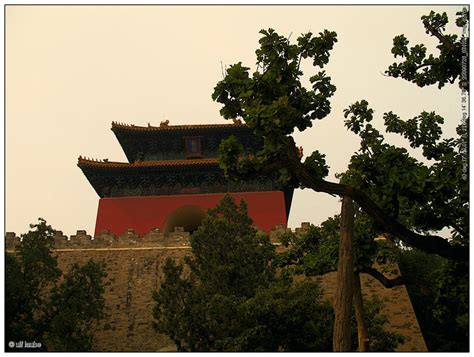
x=189, y=217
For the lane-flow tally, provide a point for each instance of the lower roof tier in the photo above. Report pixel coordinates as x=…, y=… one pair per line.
x=170, y=177
x=162, y=165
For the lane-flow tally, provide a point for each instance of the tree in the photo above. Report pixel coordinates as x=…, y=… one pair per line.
x=229, y=255
x=407, y=199
x=443, y=305
x=315, y=252
x=42, y=308
x=26, y=275
x=273, y=103
x=230, y=298
x=426, y=195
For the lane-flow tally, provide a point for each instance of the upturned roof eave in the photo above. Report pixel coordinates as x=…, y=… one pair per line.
x=130, y=128
x=112, y=165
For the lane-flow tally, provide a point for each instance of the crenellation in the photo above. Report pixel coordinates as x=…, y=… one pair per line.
x=179, y=238
x=11, y=240
x=104, y=238
x=279, y=227
x=128, y=238
x=276, y=233
x=303, y=228
x=81, y=238
x=59, y=239
x=153, y=237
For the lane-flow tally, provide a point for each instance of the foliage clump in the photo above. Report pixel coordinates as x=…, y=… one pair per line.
x=439, y=292
x=427, y=69
x=273, y=102
x=43, y=307
x=229, y=297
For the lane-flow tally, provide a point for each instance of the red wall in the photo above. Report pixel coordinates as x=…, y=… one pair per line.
x=117, y=214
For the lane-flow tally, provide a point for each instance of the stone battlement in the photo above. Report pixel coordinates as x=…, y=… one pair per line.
x=154, y=238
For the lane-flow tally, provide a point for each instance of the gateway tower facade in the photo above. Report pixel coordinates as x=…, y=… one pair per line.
x=173, y=176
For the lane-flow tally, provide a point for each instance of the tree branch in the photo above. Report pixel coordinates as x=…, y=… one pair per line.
x=429, y=243
x=459, y=229
x=430, y=29
x=425, y=65
x=388, y=283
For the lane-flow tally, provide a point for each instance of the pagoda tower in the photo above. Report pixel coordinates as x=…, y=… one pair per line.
x=172, y=177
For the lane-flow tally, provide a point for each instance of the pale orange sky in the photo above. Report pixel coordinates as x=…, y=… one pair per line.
x=72, y=70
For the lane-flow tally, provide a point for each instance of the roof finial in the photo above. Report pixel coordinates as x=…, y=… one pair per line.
x=164, y=123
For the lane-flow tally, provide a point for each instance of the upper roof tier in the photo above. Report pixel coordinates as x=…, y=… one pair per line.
x=164, y=126
x=180, y=142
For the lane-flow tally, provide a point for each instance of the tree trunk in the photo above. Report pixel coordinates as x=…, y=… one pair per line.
x=362, y=337
x=341, y=341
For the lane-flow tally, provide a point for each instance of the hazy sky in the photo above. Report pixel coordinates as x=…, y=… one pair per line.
x=72, y=70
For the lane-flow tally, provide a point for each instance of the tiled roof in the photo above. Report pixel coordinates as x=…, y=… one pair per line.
x=85, y=162
x=164, y=126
